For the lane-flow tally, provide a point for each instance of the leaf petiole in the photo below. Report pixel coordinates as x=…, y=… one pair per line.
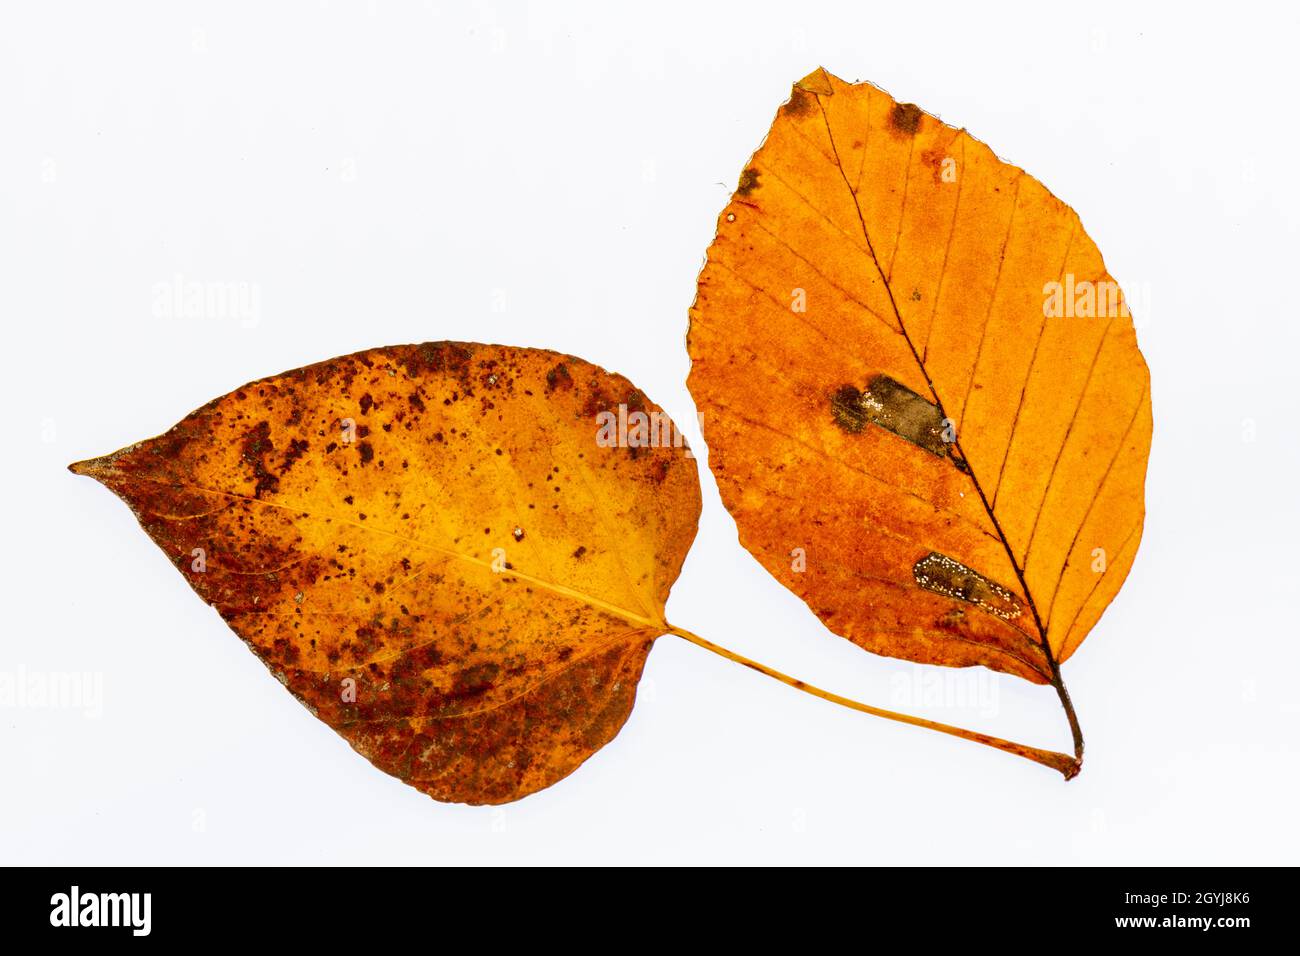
x=1068, y=766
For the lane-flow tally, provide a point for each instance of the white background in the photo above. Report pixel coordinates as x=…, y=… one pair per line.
x=533, y=175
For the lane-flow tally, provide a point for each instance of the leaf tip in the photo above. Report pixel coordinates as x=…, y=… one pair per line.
x=94, y=467
x=818, y=81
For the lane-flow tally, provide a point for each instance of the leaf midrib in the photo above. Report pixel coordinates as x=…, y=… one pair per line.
x=997, y=527
x=553, y=586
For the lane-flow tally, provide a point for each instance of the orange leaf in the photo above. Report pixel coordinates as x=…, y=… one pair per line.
x=431, y=550
x=913, y=365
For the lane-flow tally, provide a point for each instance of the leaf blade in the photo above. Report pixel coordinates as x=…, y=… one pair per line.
x=439, y=525
x=926, y=295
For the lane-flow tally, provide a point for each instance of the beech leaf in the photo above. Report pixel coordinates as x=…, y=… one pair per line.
x=917, y=377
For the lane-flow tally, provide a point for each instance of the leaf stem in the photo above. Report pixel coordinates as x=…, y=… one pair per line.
x=1067, y=765
x=1075, y=730
x=1057, y=682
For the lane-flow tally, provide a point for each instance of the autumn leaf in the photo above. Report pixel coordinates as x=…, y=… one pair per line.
x=431, y=549
x=921, y=390
x=925, y=407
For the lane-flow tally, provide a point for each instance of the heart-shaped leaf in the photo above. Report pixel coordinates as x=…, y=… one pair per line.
x=438, y=549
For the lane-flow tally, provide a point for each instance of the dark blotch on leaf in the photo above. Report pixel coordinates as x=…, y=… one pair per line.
x=255, y=450
x=846, y=406
x=297, y=447
x=905, y=118
x=944, y=575
x=748, y=182
x=895, y=408
x=801, y=102
x=559, y=377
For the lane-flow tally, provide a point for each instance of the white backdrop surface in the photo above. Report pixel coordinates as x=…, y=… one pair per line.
x=549, y=175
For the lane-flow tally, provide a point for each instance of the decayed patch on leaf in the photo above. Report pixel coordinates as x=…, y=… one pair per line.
x=428, y=546
x=895, y=408
x=943, y=575
x=882, y=275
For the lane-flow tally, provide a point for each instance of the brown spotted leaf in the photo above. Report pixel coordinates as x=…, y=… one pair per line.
x=431, y=549
x=912, y=365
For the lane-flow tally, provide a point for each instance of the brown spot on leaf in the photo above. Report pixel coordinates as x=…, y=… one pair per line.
x=748, y=182
x=801, y=102
x=846, y=408
x=895, y=408
x=255, y=450
x=905, y=118
x=297, y=448
x=944, y=575
x=559, y=377
x=436, y=357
